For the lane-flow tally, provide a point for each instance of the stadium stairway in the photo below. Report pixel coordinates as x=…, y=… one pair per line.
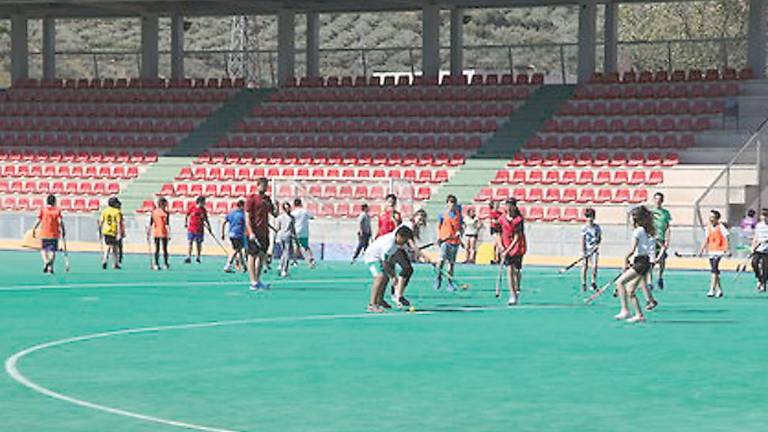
x=481, y=167
x=183, y=154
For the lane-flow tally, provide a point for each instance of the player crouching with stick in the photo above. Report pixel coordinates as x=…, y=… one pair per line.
x=643, y=246
x=378, y=259
x=760, y=251
x=511, y=241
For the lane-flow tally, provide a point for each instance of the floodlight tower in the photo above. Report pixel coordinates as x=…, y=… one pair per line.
x=243, y=44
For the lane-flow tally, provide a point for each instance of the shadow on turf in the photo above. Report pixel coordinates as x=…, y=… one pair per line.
x=673, y=321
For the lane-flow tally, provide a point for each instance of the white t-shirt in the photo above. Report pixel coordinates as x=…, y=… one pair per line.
x=646, y=246
x=761, y=234
x=285, y=227
x=471, y=226
x=381, y=249
x=302, y=217
x=592, y=234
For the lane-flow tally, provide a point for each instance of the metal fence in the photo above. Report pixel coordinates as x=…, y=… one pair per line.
x=558, y=61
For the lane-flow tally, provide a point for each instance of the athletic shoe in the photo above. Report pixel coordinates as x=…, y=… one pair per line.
x=155, y=267
x=228, y=270
x=259, y=286
x=117, y=267
x=375, y=309
x=660, y=283
x=384, y=304
x=593, y=287
x=621, y=316
x=312, y=264
x=265, y=286
x=711, y=293
x=396, y=301
x=188, y=260
x=254, y=287
x=283, y=274
x=437, y=283
x=104, y=265
x=636, y=319
x=197, y=260
x=719, y=294
x=761, y=288
x=451, y=286
x=651, y=305
x=167, y=266
x=583, y=287
x=404, y=301
x=512, y=300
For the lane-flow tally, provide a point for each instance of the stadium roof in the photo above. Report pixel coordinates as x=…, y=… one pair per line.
x=124, y=8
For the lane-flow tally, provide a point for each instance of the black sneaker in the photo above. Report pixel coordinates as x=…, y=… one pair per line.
x=384, y=304
x=404, y=301
x=197, y=260
x=104, y=265
x=593, y=287
x=117, y=267
x=188, y=261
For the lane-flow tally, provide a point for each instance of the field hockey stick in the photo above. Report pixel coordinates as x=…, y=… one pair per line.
x=575, y=263
x=686, y=254
x=66, y=254
x=221, y=246
x=501, y=269
x=602, y=289
x=742, y=267
x=463, y=286
x=426, y=246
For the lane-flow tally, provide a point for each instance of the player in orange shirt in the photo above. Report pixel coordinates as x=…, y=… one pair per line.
x=51, y=226
x=716, y=246
x=159, y=229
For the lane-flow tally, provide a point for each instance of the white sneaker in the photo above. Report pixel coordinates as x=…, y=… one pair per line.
x=512, y=300
x=636, y=319
x=622, y=316
x=283, y=273
x=711, y=293
x=719, y=294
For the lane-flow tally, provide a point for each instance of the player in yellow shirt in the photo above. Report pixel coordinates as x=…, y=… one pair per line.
x=112, y=230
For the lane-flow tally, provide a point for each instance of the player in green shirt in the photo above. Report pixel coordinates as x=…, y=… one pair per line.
x=661, y=219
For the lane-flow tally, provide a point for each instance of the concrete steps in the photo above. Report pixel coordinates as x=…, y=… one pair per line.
x=499, y=148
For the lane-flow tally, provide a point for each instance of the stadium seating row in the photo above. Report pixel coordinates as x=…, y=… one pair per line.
x=81, y=124
x=613, y=141
x=392, y=109
x=355, y=141
x=405, y=80
x=727, y=74
x=280, y=157
x=245, y=173
x=633, y=108
x=651, y=124
x=78, y=140
x=584, y=177
x=601, y=159
x=24, y=109
x=130, y=83
x=13, y=203
x=59, y=187
x=402, y=125
x=70, y=156
x=567, y=195
x=655, y=91
x=288, y=191
x=394, y=94
x=66, y=171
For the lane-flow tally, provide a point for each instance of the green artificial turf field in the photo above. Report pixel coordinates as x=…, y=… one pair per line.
x=304, y=356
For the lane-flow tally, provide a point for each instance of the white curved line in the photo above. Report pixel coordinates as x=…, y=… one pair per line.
x=12, y=368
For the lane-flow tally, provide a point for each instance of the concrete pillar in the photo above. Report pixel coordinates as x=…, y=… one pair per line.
x=19, y=48
x=177, y=47
x=430, y=41
x=313, y=44
x=286, y=46
x=756, y=37
x=49, y=48
x=586, y=50
x=611, y=56
x=457, y=41
x=150, y=29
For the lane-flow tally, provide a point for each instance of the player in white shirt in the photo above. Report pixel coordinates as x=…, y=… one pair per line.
x=760, y=251
x=591, y=236
x=302, y=218
x=378, y=259
x=641, y=252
